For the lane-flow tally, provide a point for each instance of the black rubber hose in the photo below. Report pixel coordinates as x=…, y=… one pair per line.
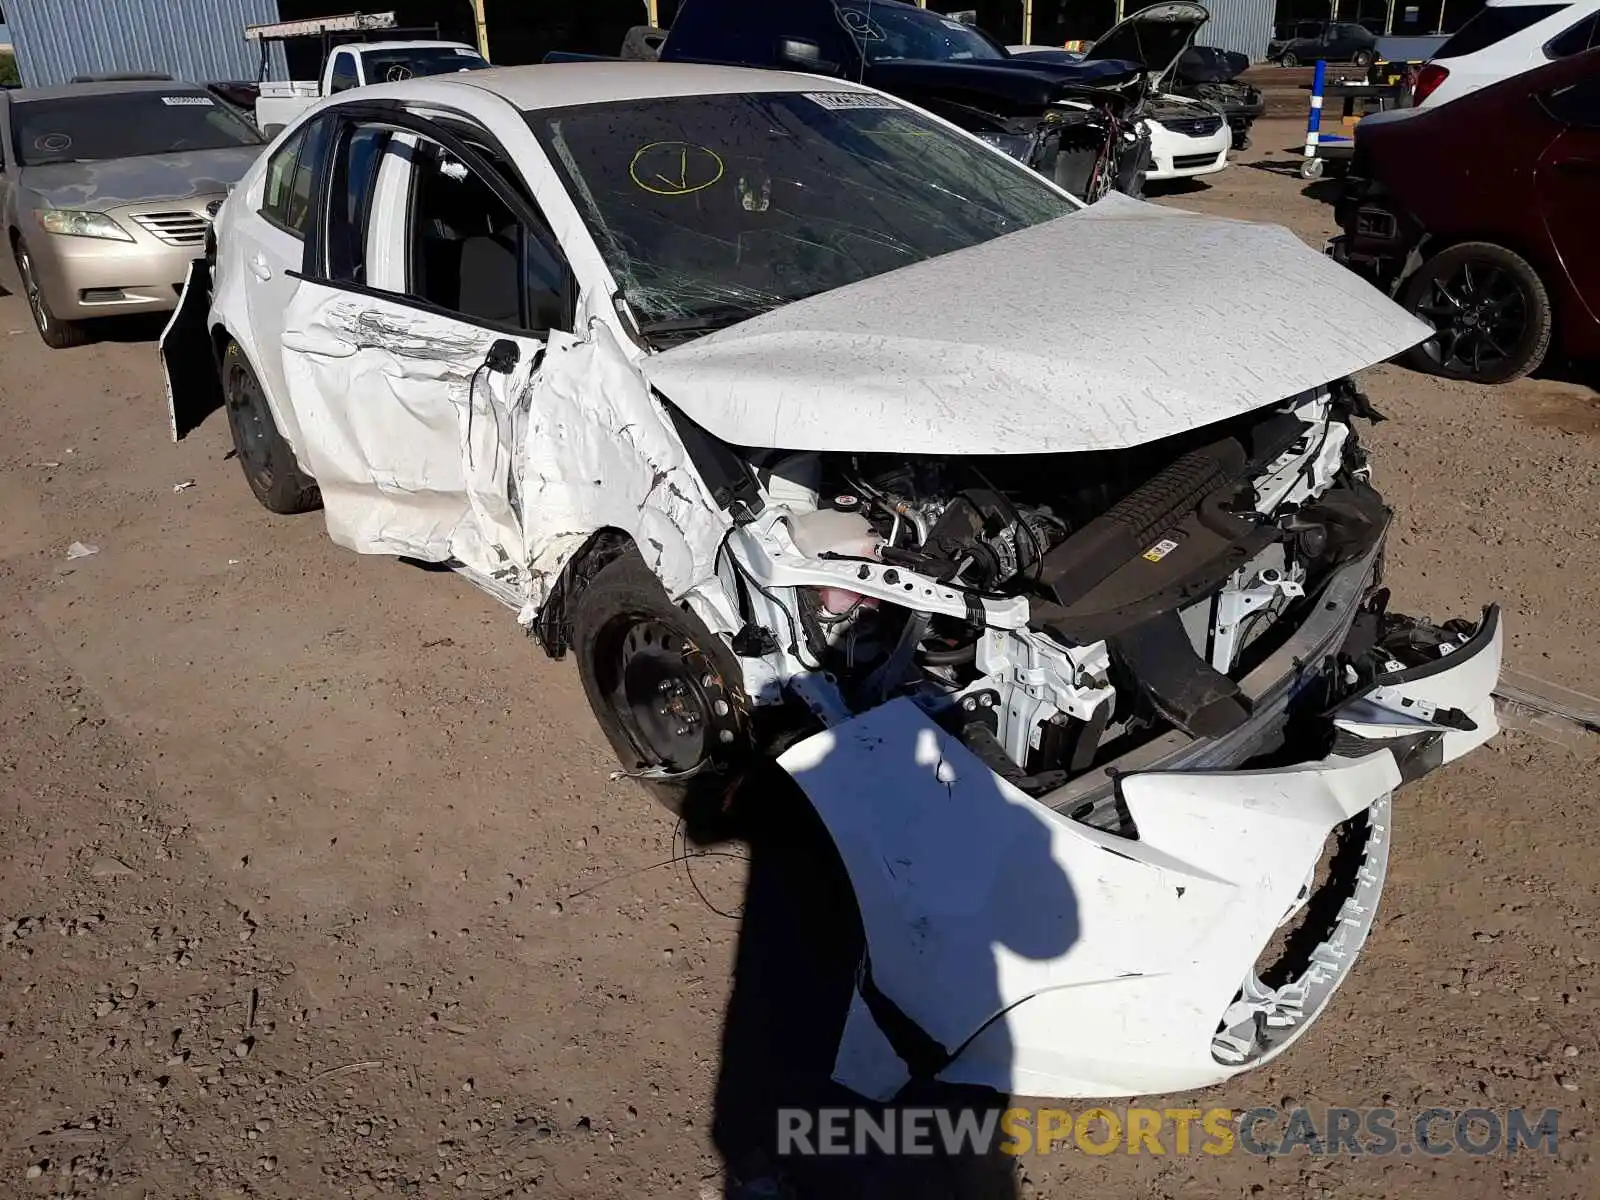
x=949, y=658
x=892, y=670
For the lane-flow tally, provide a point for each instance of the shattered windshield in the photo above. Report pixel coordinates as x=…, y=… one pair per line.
x=712, y=209
x=109, y=125
x=886, y=32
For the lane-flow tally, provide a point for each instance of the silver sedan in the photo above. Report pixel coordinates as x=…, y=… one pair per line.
x=107, y=192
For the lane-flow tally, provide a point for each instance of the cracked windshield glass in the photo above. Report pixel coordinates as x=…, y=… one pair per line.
x=713, y=209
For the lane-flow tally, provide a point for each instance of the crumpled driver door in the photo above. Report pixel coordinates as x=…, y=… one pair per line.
x=411, y=351
x=408, y=420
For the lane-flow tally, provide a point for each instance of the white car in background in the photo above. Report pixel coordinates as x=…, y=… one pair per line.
x=806, y=420
x=1502, y=39
x=1187, y=137
x=1186, y=141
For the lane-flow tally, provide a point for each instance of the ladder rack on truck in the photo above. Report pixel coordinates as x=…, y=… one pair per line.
x=315, y=26
x=335, y=31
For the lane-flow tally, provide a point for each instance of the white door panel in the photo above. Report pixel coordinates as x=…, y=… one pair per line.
x=268, y=254
x=405, y=428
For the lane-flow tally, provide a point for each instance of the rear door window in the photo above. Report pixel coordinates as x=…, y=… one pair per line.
x=1494, y=24
x=280, y=174
x=355, y=177
x=286, y=201
x=1585, y=35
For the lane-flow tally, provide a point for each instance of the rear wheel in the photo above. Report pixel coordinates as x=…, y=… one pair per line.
x=1363, y=58
x=1289, y=60
x=57, y=334
x=666, y=691
x=268, y=462
x=1489, y=309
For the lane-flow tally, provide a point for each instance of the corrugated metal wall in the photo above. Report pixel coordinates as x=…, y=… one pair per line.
x=1241, y=25
x=197, y=40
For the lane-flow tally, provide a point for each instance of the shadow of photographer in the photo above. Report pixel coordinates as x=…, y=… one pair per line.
x=940, y=864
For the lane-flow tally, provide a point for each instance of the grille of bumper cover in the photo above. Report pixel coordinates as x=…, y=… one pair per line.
x=175, y=228
x=1194, y=126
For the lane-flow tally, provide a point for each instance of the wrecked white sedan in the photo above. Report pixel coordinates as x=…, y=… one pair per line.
x=1037, y=540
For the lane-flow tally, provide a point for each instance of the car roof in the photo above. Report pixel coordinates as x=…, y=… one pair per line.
x=561, y=85
x=406, y=45
x=118, y=87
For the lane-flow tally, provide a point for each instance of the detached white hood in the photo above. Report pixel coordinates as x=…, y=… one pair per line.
x=1108, y=328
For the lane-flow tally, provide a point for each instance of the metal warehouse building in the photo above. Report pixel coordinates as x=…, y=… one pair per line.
x=203, y=40
x=1244, y=26
x=189, y=39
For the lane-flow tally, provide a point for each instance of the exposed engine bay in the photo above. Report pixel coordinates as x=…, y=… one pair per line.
x=1051, y=610
x=1210, y=74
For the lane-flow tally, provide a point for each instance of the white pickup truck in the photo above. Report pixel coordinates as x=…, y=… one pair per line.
x=351, y=63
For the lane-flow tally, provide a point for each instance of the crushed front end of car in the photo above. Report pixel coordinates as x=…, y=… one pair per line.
x=1088, y=138
x=1112, y=731
x=1175, y=669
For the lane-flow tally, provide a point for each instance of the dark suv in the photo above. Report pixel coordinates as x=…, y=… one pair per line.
x=1333, y=41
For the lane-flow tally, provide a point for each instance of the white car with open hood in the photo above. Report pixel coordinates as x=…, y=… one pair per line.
x=813, y=426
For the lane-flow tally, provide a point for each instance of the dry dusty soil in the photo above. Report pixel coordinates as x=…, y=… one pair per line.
x=314, y=883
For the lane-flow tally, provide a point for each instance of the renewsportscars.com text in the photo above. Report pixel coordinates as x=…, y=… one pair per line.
x=1167, y=1131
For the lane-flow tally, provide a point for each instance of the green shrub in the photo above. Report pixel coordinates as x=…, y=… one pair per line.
x=8, y=68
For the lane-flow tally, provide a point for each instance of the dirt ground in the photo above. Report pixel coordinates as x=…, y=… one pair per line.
x=313, y=883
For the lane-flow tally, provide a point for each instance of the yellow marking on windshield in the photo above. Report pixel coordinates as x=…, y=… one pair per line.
x=675, y=168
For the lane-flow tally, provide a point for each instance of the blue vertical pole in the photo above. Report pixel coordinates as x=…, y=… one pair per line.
x=1314, y=118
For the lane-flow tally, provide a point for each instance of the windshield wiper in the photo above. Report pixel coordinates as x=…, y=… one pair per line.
x=685, y=325
x=707, y=320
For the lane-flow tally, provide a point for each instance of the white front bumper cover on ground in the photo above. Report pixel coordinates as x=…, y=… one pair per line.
x=1010, y=946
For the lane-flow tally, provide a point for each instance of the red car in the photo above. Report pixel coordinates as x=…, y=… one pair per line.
x=1482, y=217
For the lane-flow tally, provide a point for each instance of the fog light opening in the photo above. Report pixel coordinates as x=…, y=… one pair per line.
x=1314, y=946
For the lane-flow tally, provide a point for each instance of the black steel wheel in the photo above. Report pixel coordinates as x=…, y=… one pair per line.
x=666, y=691
x=1489, y=309
x=668, y=694
x=267, y=460
x=1363, y=58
